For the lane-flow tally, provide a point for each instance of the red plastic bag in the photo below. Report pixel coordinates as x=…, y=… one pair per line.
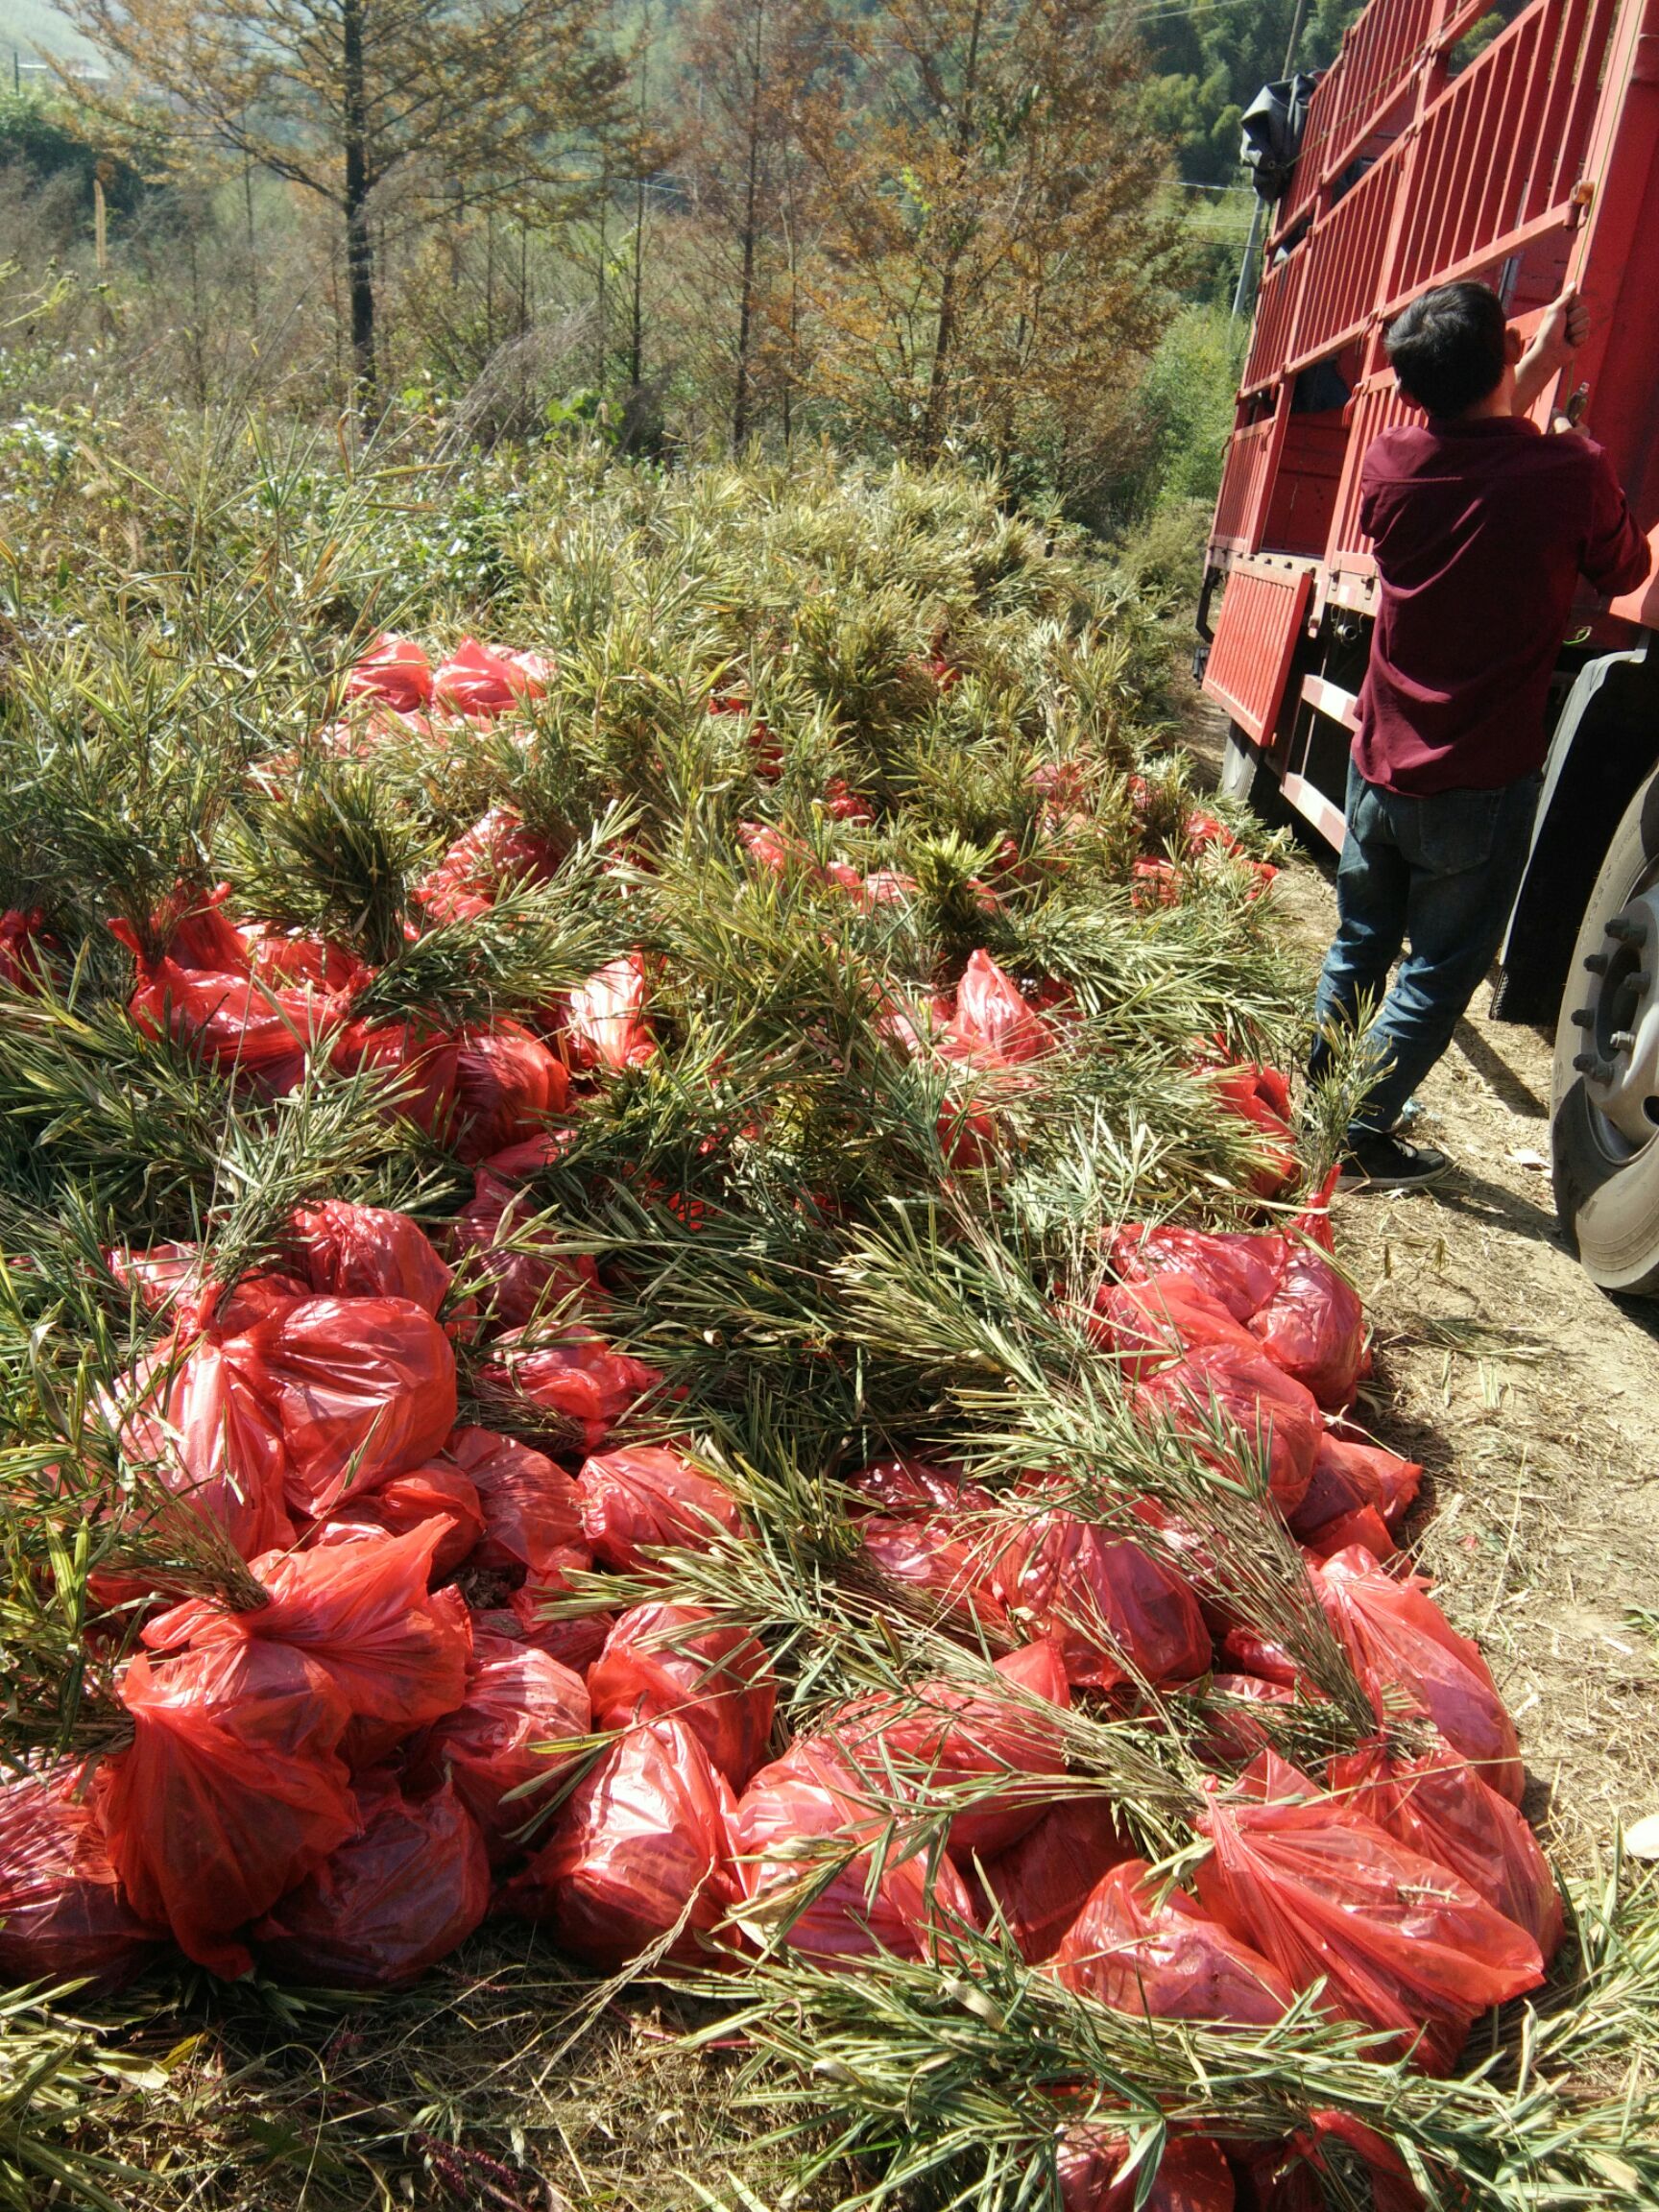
x=436, y=1493
x=606, y=1024
x=1348, y=1476
x=1400, y=1640
x=956, y=1576
x=1117, y=1611
x=360, y=1389
x=288, y=957
x=1365, y=1526
x=519, y=1706
x=165, y=1276
x=483, y=681
x=419, y=1062
x=388, y=1903
x=195, y=930
x=684, y=1660
x=507, y=1083
x=367, y=1252
x=256, y=1032
x=1231, y=1735
x=1190, y=2176
x=776, y=849
x=1400, y=1942
x=1380, y=2166
x=395, y=1650
x=1343, y=1481
x=1313, y=1327
x=1275, y=1419
x=1154, y=883
x=395, y=671
x=639, y=1845
x=1439, y=1806
x=531, y=1508
x=648, y=1499
x=1141, y=1951
x=231, y=1792
x=62, y=1915
x=571, y=1374
x=918, y=1489
x=1147, y=1325
x=842, y=803
x=1262, y=1096
x=1258, y=1656
x=1041, y=1882
x=575, y=1640
x=22, y=935
x=938, y=1737
x=519, y=1280
x=498, y=853
x=199, y=1434
x=811, y=1797
x=1240, y=1271
x=993, y=1020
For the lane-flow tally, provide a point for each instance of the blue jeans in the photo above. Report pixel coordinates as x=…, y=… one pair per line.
x=1439, y=875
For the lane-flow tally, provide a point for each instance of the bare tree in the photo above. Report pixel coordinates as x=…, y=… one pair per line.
x=339, y=97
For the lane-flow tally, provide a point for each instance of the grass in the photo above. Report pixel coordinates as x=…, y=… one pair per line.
x=780, y=1225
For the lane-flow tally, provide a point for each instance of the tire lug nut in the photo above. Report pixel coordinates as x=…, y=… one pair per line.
x=1628, y=931
x=1623, y=1040
x=1584, y=1062
x=1584, y=1017
x=1597, y=963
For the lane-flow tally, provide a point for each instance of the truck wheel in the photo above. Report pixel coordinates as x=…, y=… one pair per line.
x=1245, y=775
x=1605, y=1093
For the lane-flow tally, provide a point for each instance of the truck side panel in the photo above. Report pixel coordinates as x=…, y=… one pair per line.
x=1536, y=164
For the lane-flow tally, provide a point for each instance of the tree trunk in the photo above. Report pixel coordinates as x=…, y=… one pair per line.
x=751, y=195
x=944, y=328
x=359, y=247
x=636, y=326
x=939, y=376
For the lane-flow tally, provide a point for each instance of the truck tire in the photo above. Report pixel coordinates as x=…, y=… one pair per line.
x=1245, y=775
x=1604, y=1128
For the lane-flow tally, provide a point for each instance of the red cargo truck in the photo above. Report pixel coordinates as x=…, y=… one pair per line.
x=1533, y=166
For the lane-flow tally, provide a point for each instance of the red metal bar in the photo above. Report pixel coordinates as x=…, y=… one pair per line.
x=1375, y=407
x=1552, y=122
x=1372, y=70
x=1239, y=503
x=1276, y=308
x=1345, y=257
x=1464, y=194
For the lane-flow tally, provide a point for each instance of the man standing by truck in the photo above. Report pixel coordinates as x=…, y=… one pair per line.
x=1480, y=528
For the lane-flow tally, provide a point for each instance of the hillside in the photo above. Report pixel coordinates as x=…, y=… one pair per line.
x=30, y=29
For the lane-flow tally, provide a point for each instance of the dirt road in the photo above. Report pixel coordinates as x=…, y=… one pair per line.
x=1534, y=1401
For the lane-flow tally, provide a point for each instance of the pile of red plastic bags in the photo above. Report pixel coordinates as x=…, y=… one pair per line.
x=395, y=1722
x=341, y=1771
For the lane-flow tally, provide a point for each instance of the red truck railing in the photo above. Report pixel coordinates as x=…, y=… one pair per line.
x=1534, y=165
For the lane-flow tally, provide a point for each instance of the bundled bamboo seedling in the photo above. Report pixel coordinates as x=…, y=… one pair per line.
x=664, y=1285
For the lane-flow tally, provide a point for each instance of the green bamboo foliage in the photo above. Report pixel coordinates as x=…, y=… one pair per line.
x=783, y=1220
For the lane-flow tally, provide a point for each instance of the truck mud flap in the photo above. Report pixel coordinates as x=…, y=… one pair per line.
x=1606, y=742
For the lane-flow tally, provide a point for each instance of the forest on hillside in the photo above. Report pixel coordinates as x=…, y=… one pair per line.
x=1007, y=230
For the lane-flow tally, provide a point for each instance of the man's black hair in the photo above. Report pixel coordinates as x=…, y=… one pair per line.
x=1448, y=347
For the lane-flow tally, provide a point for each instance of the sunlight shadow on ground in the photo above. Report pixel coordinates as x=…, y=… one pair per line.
x=1503, y=1079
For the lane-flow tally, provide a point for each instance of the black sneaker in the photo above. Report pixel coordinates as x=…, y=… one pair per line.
x=1376, y=1160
